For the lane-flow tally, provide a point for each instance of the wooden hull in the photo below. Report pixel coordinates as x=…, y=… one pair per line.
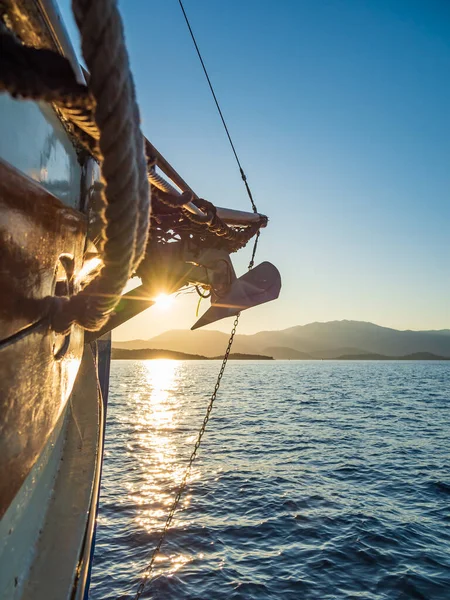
x=53, y=387
x=47, y=532
x=51, y=402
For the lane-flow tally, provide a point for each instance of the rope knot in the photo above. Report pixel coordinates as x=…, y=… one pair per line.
x=84, y=309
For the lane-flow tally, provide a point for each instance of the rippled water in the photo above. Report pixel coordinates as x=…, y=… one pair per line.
x=316, y=480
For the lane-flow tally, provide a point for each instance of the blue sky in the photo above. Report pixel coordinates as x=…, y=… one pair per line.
x=340, y=111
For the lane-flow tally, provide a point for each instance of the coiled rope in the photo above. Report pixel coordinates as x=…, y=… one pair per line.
x=41, y=74
x=111, y=100
x=126, y=193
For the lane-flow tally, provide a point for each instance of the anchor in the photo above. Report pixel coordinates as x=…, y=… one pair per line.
x=212, y=269
x=173, y=266
x=258, y=286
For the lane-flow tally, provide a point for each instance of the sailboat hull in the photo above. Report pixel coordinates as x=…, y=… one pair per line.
x=53, y=387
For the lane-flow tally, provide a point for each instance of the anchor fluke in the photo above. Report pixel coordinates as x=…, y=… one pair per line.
x=259, y=285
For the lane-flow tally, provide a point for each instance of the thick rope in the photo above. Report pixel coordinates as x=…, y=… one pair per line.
x=105, y=118
x=126, y=192
x=219, y=110
x=23, y=75
x=144, y=208
x=108, y=113
x=238, y=238
x=35, y=74
x=41, y=74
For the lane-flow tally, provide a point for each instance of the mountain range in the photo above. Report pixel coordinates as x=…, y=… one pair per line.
x=333, y=339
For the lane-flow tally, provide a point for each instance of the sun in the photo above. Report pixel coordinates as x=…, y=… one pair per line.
x=163, y=301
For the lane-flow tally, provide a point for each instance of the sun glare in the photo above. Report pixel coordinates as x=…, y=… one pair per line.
x=164, y=301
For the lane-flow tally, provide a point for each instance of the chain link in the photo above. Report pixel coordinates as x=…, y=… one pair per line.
x=255, y=246
x=183, y=483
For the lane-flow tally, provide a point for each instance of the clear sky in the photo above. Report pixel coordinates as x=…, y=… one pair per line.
x=340, y=111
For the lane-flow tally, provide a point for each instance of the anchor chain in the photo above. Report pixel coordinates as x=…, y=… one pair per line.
x=212, y=399
x=183, y=483
x=193, y=455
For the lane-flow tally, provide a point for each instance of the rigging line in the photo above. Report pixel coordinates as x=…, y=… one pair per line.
x=183, y=484
x=193, y=456
x=243, y=175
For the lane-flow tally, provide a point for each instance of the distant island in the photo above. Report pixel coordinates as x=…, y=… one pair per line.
x=153, y=354
x=414, y=356
x=156, y=354
x=240, y=356
x=334, y=340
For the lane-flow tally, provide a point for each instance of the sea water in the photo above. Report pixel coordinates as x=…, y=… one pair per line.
x=315, y=480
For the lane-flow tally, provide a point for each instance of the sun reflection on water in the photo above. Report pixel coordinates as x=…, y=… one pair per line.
x=161, y=451
x=160, y=376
